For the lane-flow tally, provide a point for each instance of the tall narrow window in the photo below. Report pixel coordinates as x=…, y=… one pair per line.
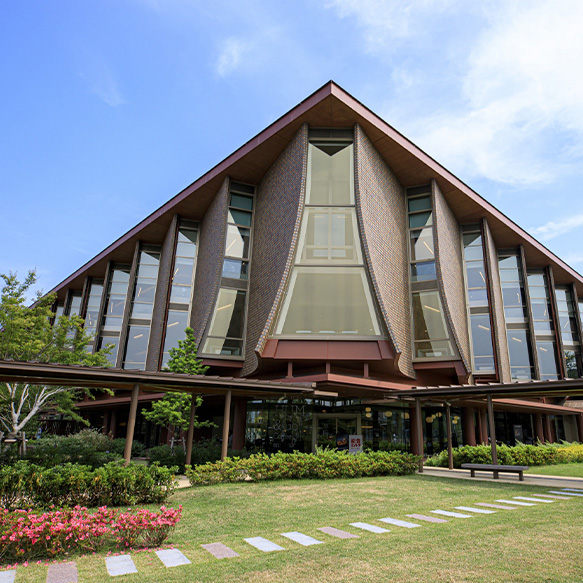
x=92, y=313
x=329, y=293
x=144, y=292
x=115, y=303
x=569, y=331
x=544, y=331
x=430, y=331
x=181, y=286
x=479, y=308
x=227, y=328
x=73, y=308
x=515, y=313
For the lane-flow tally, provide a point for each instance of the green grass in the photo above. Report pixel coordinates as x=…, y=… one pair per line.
x=567, y=470
x=530, y=544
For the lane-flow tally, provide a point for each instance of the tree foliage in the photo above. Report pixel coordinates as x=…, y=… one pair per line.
x=173, y=410
x=27, y=335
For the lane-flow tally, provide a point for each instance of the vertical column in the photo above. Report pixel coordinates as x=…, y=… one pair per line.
x=190, y=434
x=419, y=433
x=484, y=425
x=105, y=423
x=538, y=427
x=239, y=422
x=580, y=427
x=492, y=433
x=449, y=446
x=113, y=424
x=226, y=423
x=415, y=449
x=127, y=453
x=547, y=429
x=468, y=425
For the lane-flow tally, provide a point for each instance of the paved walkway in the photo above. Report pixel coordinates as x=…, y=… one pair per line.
x=529, y=479
x=123, y=564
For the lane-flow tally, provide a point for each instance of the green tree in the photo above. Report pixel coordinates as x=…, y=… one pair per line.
x=173, y=410
x=26, y=334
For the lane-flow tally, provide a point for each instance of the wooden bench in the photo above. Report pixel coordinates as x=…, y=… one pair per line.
x=496, y=468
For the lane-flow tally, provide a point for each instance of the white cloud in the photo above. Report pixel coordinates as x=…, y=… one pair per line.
x=102, y=82
x=554, y=229
x=232, y=56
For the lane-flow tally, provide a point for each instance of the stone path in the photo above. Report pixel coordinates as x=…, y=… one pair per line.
x=123, y=564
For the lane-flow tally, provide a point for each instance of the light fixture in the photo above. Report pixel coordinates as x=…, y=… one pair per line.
x=138, y=336
x=225, y=306
x=431, y=308
x=405, y=415
x=454, y=421
x=173, y=324
x=388, y=413
x=483, y=327
x=516, y=339
x=368, y=415
x=368, y=409
x=429, y=419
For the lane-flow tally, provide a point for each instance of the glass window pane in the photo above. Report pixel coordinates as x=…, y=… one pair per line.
x=145, y=290
x=420, y=220
x=508, y=262
x=330, y=180
x=327, y=302
x=473, y=239
x=423, y=271
x=478, y=297
x=435, y=349
x=515, y=314
x=187, y=235
x=240, y=217
x=149, y=258
x=507, y=275
x=536, y=279
x=476, y=274
x=142, y=310
x=185, y=249
x=121, y=275
x=540, y=309
x=136, y=347
x=235, y=269
x=542, y=327
x=537, y=292
x=519, y=348
x=422, y=244
x=148, y=271
x=241, y=202
x=481, y=335
x=183, y=268
x=429, y=323
x=237, y=242
x=473, y=253
x=573, y=362
x=223, y=346
x=176, y=323
x=180, y=294
x=228, y=318
x=483, y=364
x=422, y=203
x=521, y=373
x=513, y=295
x=114, y=341
x=115, y=306
x=547, y=361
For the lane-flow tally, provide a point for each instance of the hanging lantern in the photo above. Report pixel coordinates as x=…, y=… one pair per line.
x=405, y=415
x=429, y=419
x=388, y=413
x=368, y=409
x=368, y=414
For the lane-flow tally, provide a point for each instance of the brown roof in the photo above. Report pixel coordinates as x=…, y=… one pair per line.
x=329, y=106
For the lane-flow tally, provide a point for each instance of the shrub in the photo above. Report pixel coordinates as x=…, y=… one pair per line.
x=27, y=535
x=167, y=457
x=26, y=485
x=520, y=454
x=326, y=464
x=118, y=445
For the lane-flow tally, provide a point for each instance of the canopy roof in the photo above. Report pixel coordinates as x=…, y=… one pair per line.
x=330, y=106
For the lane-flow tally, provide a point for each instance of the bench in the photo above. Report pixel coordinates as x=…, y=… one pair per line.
x=496, y=468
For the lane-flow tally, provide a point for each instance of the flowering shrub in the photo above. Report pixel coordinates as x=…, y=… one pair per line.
x=520, y=454
x=26, y=535
x=25, y=485
x=297, y=466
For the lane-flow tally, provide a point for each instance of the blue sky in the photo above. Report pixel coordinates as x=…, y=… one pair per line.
x=111, y=107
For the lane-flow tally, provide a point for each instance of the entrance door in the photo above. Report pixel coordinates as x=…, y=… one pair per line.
x=332, y=429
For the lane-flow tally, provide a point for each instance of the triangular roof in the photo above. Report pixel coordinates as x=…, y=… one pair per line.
x=329, y=106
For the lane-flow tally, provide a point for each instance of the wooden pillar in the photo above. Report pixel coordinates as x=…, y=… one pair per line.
x=105, y=423
x=580, y=427
x=484, y=423
x=449, y=445
x=547, y=429
x=239, y=422
x=492, y=433
x=127, y=452
x=413, y=431
x=226, y=424
x=190, y=434
x=538, y=427
x=419, y=433
x=113, y=423
x=468, y=425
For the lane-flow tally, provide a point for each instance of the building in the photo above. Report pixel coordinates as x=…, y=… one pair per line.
x=330, y=249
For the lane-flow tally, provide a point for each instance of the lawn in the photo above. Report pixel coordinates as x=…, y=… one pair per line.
x=567, y=470
x=529, y=544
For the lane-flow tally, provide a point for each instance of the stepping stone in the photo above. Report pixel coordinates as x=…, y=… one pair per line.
x=533, y=499
x=499, y=506
x=565, y=493
x=220, y=551
x=7, y=576
x=572, y=489
x=302, y=539
x=402, y=523
x=62, y=573
x=263, y=544
x=452, y=514
x=120, y=565
x=516, y=503
x=172, y=558
x=337, y=532
x=552, y=496
x=426, y=518
x=369, y=527
x=476, y=510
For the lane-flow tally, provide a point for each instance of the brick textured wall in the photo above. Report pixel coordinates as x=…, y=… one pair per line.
x=495, y=291
x=209, y=264
x=450, y=269
x=277, y=216
x=161, y=299
x=382, y=216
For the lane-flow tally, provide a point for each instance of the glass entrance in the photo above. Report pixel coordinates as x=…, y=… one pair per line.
x=332, y=430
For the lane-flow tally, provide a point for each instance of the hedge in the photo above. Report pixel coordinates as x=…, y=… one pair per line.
x=297, y=466
x=521, y=455
x=26, y=485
